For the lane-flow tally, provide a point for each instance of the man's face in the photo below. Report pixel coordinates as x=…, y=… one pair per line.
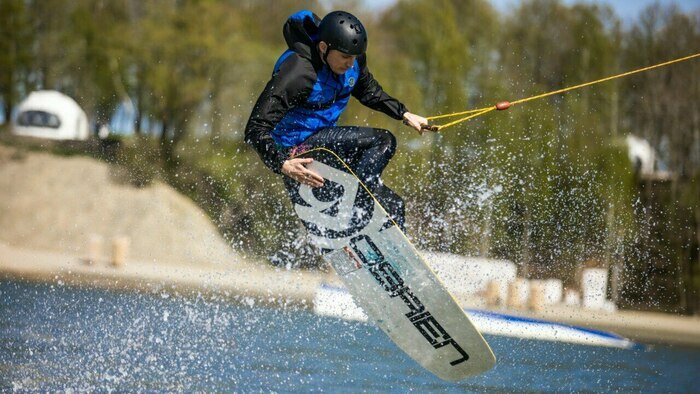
x=339, y=62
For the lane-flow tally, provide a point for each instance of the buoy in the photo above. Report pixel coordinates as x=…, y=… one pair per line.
x=503, y=105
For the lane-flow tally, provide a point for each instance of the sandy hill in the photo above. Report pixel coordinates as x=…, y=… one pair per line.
x=55, y=203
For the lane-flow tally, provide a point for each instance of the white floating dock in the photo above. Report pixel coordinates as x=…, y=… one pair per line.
x=337, y=302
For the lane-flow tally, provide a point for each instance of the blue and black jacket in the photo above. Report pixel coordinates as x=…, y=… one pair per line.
x=305, y=96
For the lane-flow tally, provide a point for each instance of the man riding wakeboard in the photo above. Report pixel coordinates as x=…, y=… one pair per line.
x=310, y=87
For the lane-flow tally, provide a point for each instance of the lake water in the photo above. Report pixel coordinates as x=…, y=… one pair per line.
x=60, y=338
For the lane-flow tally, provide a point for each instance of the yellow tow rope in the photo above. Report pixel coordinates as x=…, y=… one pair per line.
x=503, y=105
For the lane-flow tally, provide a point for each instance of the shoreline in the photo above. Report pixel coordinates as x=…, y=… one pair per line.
x=255, y=283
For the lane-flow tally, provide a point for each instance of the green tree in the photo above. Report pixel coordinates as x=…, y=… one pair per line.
x=659, y=106
x=15, y=51
x=178, y=54
x=558, y=158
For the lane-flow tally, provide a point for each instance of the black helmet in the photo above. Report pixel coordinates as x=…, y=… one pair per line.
x=343, y=32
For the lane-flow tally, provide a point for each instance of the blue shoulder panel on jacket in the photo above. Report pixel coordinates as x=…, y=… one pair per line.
x=302, y=16
x=281, y=60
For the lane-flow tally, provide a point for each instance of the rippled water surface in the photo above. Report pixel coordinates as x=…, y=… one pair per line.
x=65, y=338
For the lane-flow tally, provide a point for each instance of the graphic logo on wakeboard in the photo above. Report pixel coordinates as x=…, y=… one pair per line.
x=392, y=282
x=340, y=209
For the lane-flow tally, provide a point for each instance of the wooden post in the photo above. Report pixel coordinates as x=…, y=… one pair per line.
x=516, y=293
x=120, y=250
x=493, y=293
x=536, y=298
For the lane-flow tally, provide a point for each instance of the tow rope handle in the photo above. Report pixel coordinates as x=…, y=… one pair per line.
x=427, y=127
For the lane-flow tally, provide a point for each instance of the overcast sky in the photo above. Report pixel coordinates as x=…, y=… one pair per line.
x=626, y=9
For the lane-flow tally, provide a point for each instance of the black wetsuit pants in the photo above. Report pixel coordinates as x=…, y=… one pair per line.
x=367, y=151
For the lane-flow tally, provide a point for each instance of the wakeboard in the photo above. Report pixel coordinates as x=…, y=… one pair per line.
x=384, y=272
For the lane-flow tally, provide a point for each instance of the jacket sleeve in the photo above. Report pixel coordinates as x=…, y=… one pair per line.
x=368, y=91
x=288, y=87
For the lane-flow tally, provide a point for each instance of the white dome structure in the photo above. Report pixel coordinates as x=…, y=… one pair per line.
x=51, y=114
x=641, y=154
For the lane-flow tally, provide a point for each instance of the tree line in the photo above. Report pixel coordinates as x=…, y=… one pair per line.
x=548, y=184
